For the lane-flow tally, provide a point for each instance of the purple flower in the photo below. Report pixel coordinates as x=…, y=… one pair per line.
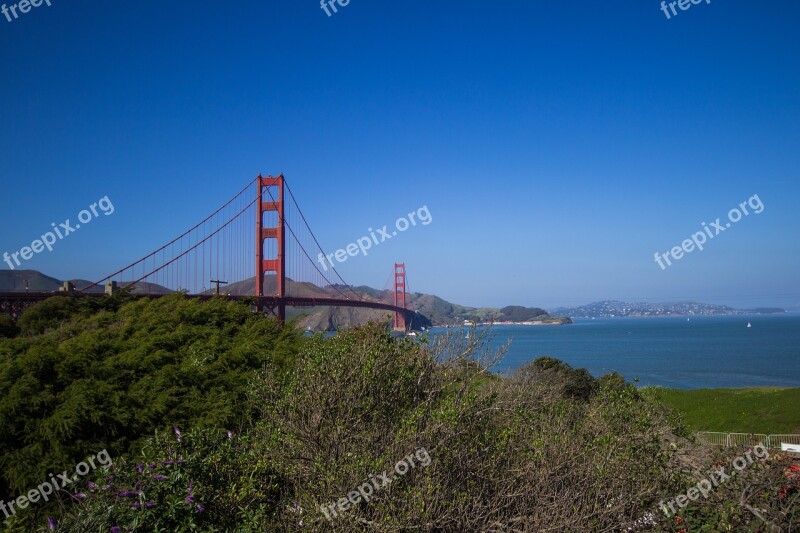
x=51, y=523
x=92, y=486
x=177, y=433
x=135, y=505
x=127, y=494
x=150, y=504
x=139, y=468
x=200, y=507
x=169, y=463
x=160, y=477
x=79, y=496
x=116, y=529
x=230, y=435
x=190, y=499
x=152, y=466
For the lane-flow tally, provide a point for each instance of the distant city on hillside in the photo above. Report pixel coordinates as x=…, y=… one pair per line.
x=615, y=308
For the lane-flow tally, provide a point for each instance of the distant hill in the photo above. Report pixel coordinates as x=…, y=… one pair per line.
x=516, y=313
x=430, y=310
x=441, y=312
x=766, y=311
x=615, y=308
x=15, y=281
x=22, y=280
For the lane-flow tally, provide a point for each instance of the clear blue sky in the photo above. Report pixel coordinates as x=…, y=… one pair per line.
x=558, y=145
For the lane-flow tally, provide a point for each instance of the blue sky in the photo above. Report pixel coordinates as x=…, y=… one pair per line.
x=558, y=145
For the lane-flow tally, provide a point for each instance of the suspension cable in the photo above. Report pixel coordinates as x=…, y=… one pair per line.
x=173, y=241
x=283, y=221
x=318, y=244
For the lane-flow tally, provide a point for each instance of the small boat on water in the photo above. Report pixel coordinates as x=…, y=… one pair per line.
x=749, y=325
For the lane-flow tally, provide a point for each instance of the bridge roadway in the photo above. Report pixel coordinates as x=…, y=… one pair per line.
x=14, y=302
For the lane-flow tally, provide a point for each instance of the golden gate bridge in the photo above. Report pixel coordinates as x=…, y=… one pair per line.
x=259, y=245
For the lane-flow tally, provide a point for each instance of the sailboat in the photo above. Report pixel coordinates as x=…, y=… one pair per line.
x=749, y=325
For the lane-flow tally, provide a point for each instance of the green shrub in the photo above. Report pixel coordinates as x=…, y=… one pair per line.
x=8, y=329
x=92, y=376
x=192, y=481
x=560, y=377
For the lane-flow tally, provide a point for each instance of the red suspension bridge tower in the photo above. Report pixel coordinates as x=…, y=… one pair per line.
x=400, y=296
x=278, y=264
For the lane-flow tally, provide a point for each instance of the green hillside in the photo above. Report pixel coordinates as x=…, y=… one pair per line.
x=755, y=410
x=15, y=281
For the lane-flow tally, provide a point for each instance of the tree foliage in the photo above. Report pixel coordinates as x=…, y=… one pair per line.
x=87, y=375
x=8, y=329
x=516, y=313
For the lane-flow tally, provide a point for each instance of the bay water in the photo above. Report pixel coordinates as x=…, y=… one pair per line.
x=703, y=352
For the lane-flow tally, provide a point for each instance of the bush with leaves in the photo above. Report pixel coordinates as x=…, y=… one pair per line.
x=761, y=497
x=8, y=328
x=89, y=374
x=181, y=481
x=558, y=377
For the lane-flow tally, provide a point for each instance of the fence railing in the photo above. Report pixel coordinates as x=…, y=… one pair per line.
x=715, y=438
x=712, y=438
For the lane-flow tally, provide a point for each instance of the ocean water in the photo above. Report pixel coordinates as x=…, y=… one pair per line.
x=705, y=352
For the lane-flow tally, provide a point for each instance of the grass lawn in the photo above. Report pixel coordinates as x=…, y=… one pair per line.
x=759, y=410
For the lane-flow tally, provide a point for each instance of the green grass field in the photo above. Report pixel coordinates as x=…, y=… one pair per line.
x=759, y=410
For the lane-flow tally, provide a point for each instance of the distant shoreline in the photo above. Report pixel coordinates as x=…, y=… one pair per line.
x=554, y=321
x=616, y=308
x=688, y=316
